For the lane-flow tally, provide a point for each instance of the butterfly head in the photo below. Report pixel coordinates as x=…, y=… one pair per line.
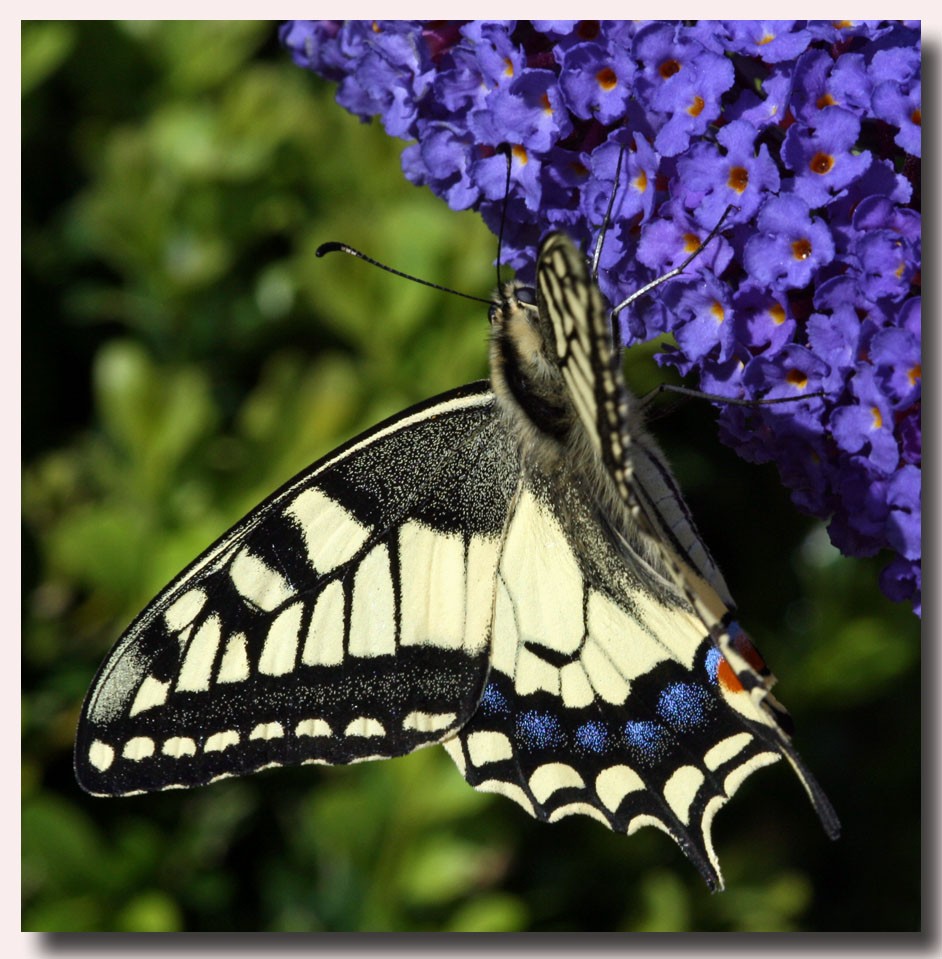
x=515, y=321
x=524, y=371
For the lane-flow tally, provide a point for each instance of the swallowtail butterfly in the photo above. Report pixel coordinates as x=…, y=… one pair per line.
x=507, y=569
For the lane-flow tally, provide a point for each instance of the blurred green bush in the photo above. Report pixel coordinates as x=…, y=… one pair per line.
x=184, y=353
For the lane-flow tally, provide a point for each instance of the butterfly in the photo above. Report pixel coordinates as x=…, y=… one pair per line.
x=508, y=569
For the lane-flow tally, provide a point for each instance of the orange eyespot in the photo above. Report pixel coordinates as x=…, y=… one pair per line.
x=727, y=678
x=821, y=163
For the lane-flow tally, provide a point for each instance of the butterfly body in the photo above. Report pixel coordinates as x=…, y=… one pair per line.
x=508, y=569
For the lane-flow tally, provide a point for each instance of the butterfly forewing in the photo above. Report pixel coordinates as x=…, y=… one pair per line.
x=579, y=325
x=347, y=617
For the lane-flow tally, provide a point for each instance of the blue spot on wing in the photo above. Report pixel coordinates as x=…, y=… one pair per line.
x=712, y=663
x=593, y=737
x=647, y=739
x=685, y=706
x=493, y=701
x=537, y=730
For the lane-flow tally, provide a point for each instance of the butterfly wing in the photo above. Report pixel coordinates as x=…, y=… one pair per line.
x=604, y=698
x=645, y=484
x=577, y=321
x=621, y=687
x=345, y=618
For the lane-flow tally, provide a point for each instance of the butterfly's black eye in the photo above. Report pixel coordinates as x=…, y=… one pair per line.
x=526, y=295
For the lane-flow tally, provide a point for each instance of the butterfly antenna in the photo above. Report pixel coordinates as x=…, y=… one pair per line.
x=607, y=219
x=334, y=247
x=503, y=148
x=677, y=269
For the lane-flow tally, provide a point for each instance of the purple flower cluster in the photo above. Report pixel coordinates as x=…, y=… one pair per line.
x=810, y=130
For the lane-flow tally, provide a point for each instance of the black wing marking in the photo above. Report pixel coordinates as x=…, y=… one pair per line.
x=347, y=617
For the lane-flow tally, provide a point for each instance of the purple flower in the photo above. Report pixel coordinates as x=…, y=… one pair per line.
x=821, y=82
x=729, y=172
x=771, y=41
x=809, y=130
x=865, y=429
x=595, y=82
x=682, y=81
x=824, y=157
x=445, y=160
x=903, y=109
x=530, y=105
x=761, y=320
x=790, y=247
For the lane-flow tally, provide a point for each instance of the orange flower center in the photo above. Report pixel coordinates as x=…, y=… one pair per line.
x=668, y=68
x=606, y=78
x=738, y=179
x=801, y=249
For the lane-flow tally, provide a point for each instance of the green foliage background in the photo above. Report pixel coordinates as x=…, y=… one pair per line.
x=184, y=353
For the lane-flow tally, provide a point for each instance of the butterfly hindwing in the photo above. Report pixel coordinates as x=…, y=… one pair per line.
x=620, y=687
x=604, y=696
x=347, y=617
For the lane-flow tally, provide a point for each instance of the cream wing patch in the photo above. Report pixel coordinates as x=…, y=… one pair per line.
x=323, y=645
x=435, y=585
x=257, y=582
x=538, y=562
x=373, y=616
x=332, y=535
